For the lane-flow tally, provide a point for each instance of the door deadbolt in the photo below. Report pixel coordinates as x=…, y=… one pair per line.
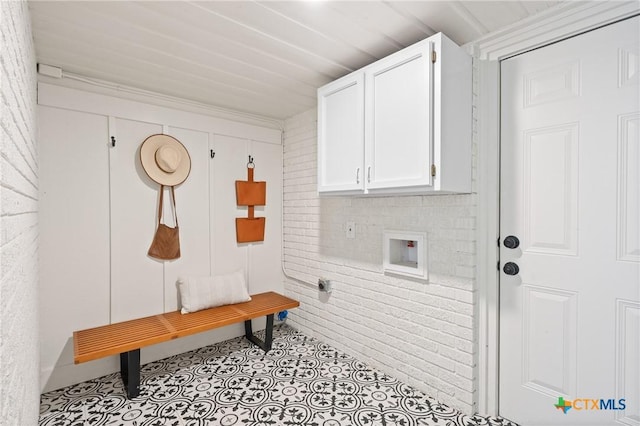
x=511, y=268
x=511, y=242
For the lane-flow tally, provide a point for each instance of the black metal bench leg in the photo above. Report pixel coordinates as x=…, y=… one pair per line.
x=130, y=372
x=268, y=338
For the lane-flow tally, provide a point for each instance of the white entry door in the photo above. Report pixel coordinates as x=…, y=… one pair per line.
x=570, y=193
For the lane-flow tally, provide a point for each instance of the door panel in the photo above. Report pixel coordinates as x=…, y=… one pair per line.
x=229, y=165
x=549, y=321
x=558, y=83
x=265, y=269
x=137, y=288
x=570, y=192
x=551, y=189
x=629, y=188
x=73, y=226
x=627, y=365
x=193, y=215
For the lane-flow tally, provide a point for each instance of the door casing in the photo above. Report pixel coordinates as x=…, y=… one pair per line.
x=558, y=23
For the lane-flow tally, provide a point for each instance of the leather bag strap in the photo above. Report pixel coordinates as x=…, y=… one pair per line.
x=175, y=210
x=160, y=204
x=173, y=199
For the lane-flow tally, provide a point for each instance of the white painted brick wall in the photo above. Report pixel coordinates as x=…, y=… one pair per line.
x=19, y=349
x=423, y=334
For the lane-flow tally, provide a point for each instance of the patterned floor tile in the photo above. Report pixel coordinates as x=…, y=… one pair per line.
x=300, y=382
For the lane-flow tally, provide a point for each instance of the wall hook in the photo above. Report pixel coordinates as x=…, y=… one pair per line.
x=113, y=141
x=213, y=154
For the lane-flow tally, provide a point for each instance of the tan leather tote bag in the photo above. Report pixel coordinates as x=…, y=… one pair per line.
x=166, y=241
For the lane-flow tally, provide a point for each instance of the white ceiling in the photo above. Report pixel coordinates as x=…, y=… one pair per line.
x=260, y=57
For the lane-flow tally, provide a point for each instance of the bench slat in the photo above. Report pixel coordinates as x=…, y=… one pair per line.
x=125, y=336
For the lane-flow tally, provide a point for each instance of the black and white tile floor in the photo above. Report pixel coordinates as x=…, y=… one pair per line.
x=300, y=382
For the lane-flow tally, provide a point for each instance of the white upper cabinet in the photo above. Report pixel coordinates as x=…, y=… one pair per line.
x=341, y=150
x=398, y=127
x=406, y=130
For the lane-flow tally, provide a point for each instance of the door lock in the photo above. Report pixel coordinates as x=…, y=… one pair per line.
x=511, y=242
x=511, y=268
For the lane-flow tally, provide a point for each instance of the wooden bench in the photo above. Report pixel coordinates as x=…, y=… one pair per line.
x=126, y=338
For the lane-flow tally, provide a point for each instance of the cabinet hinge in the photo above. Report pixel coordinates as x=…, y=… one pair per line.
x=433, y=170
x=433, y=56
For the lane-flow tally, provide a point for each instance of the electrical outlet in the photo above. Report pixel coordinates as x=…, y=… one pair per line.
x=351, y=230
x=324, y=285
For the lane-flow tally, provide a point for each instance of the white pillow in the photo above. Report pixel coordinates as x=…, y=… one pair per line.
x=197, y=292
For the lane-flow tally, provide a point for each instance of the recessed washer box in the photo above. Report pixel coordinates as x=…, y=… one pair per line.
x=405, y=253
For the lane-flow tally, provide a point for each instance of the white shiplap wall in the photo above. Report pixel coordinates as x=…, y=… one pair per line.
x=19, y=349
x=421, y=333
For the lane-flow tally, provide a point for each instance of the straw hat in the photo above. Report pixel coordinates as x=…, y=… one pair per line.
x=165, y=160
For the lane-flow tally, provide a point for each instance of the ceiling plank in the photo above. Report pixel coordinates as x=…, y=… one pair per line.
x=259, y=56
x=164, y=79
x=316, y=15
x=288, y=31
x=442, y=17
x=377, y=16
x=469, y=18
x=171, y=53
x=496, y=14
x=248, y=35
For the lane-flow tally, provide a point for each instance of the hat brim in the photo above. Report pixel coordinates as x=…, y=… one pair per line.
x=151, y=168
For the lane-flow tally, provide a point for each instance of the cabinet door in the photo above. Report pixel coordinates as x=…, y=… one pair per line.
x=74, y=230
x=228, y=166
x=265, y=270
x=137, y=280
x=141, y=285
x=398, y=119
x=341, y=135
x=259, y=260
x=192, y=204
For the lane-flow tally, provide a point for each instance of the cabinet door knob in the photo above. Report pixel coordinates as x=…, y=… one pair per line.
x=358, y=175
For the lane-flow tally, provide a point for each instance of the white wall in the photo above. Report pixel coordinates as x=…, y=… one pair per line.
x=19, y=349
x=98, y=210
x=421, y=333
